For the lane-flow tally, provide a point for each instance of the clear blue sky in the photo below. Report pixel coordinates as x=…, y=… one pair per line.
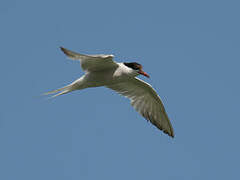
x=191, y=49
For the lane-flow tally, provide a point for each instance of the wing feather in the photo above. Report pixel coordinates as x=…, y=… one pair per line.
x=146, y=101
x=92, y=63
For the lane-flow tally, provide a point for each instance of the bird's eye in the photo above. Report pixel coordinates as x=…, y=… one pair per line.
x=136, y=68
x=139, y=67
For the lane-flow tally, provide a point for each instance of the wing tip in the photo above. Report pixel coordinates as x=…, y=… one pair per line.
x=68, y=53
x=65, y=51
x=171, y=134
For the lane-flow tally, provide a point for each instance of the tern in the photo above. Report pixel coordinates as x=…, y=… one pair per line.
x=102, y=70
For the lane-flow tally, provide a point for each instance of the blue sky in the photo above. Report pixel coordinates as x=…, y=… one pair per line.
x=189, y=48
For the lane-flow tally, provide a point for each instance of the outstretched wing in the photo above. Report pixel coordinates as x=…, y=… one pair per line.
x=92, y=63
x=146, y=101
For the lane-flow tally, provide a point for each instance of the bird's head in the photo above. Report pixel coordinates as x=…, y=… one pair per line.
x=137, y=68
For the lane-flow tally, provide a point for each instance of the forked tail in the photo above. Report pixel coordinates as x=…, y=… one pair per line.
x=63, y=90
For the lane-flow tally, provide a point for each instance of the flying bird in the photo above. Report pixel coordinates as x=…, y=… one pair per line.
x=102, y=70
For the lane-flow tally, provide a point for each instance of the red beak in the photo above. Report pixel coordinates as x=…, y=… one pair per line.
x=143, y=73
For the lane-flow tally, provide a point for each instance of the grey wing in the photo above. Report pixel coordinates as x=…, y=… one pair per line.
x=92, y=62
x=146, y=101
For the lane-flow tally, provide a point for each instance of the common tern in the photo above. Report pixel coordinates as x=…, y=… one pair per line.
x=102, y=70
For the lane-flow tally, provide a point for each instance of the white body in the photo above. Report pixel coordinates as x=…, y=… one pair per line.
x=98, y=78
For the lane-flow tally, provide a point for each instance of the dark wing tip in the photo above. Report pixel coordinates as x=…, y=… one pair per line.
x=68, y=53
x=64, y=50
x=171, y=134
x=168, y=132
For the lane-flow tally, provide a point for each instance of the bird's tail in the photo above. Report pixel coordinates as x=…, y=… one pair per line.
x=63, y=90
